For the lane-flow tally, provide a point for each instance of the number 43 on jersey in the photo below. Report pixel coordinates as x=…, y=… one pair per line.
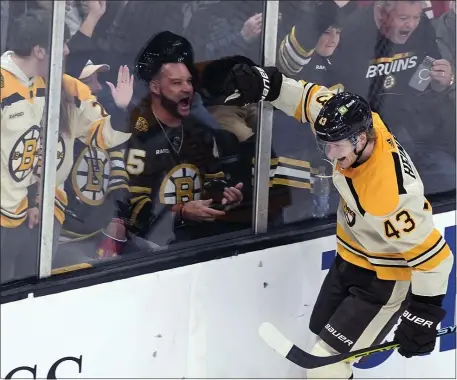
x=403, y=223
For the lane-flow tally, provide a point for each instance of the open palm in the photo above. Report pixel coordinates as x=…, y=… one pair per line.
x=123, y=92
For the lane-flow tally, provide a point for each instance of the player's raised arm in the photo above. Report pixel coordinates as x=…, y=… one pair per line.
x=300, y=99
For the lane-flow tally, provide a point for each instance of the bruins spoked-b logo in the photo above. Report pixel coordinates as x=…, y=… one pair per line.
x=349, y=215
x=181, y=184
x=25, y=153
x=389, y=82
x=90, y=175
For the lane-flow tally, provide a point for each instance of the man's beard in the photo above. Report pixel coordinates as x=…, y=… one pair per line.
x=170, y=105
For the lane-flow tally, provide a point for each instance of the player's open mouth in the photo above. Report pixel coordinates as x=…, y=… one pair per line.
x=405, y=33
x=341, y=159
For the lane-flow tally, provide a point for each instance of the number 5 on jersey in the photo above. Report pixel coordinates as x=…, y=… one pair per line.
x=135, y=161
x=402, y=219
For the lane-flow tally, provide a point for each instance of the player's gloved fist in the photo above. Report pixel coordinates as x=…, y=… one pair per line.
x=249, y=84
x=416, y=333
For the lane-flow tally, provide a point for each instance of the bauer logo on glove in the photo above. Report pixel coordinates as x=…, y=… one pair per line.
x=266, y=82
x=416, y=333
x=419, y=321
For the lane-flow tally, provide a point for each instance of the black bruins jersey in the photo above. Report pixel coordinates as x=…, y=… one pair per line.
x=383, y=68
x=167, y=166
x=97, y=180
x=380, y=72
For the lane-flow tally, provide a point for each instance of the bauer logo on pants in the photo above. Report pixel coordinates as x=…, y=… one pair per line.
x=338, y=335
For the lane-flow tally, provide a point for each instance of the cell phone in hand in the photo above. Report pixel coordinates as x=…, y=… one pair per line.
x=218, y=206
x=421, y=78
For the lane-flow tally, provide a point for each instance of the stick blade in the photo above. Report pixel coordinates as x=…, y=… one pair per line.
x=275, y=339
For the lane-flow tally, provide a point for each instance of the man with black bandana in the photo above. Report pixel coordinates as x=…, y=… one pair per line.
x=173, y=160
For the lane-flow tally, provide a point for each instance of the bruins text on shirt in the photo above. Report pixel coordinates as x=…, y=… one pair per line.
x=158, y=175
x=22, y=106
x=381, y=73
x=385, y=223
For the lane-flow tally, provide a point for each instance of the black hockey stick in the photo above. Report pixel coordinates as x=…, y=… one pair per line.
x=290, y=351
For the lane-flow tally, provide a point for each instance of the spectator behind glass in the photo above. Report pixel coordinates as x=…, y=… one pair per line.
x=174, y=162
x=400, y=36
x=133, y=25
x=227, y=28
x=81, y=18
x=24, y=69
x=316, y=70
x=315, y=25
x=90, y=76
x=97, y=184
x=396, y=37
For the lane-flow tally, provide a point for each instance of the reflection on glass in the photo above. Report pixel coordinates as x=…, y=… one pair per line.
x=404, y=73
x=24, y=67
x=186, y=170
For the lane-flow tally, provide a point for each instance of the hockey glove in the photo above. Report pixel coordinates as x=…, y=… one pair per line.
x=250, y=84
x=416, y=333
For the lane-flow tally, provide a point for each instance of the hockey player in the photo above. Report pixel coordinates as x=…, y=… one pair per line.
x=386, y=238
x=23, y=75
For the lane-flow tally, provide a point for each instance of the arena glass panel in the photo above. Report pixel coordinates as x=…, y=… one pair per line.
x=414, y=95
x=149, y=140
x=27, y=88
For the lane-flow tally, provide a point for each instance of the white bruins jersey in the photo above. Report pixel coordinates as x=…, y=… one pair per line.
x=385, y=222
x=22, y=107
x=22, y=103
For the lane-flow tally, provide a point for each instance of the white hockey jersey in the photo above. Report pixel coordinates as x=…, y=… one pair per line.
x=22, y=106
x=385, y=222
